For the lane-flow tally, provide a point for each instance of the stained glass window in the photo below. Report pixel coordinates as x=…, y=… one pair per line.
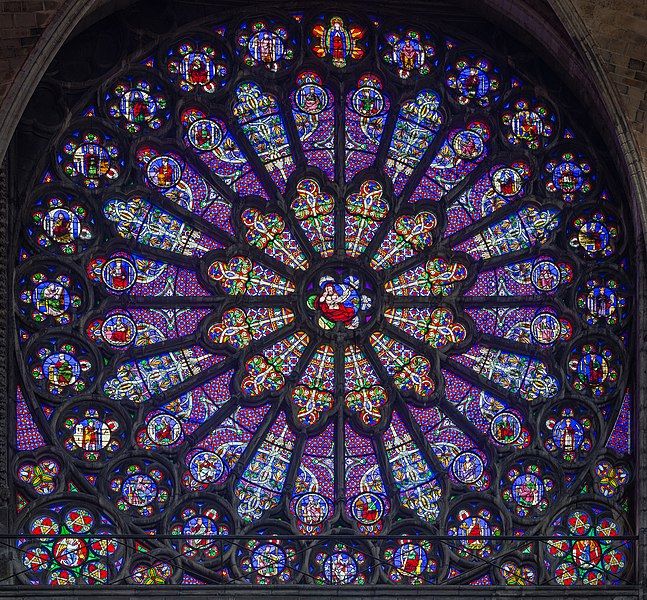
x=323, y=300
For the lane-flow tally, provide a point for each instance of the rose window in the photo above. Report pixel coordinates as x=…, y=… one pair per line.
x=323, y=277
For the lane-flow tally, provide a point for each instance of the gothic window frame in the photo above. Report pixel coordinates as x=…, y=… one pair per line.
x=272, y=83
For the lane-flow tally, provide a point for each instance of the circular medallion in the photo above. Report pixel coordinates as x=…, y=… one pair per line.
x=119, y=330
x=206, y=467
x=119, y=274
x=44, y=525
x=79, y=520
x=579, y=522
x=51, y=298
x=268, y=560
x=474, y=529
x=468, y=145
x=602, y=302
x=62, y=577
x=505, y=428
x=506, y=181
x=200, y=525
x=545, y=276
x=311, y=98
x=61, y=369
x=62, y=225
x=527, y=125
x=91, y=434
x=104, y=546
x=94, y=572
x=311, y=508
x=339, y=300
x=164, y=429
x=528, y=489
x=36, y=559
x=340, y=568
x=593, y=367
x=266, y=47
x=90, y=430
x=368, y=101
x=473, y=82
x=197, y=68
x=62, y=366
x=467, y=467
x=545, y=328
x=70, y=552
x=137, y=106
x=367, y=508
x=164, y=171
x=139, y=490
x=408, y=54
x=568, y=434
x=567, y=177
x=587, y=553
x=205, y=134
x=594, y=237
x=91, y=160
x=410, y=558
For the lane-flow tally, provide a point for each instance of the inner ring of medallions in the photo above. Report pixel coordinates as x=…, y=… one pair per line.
x=340, y=297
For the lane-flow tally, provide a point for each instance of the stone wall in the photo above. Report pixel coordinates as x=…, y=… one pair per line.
x=619, y=31
x=21, y=24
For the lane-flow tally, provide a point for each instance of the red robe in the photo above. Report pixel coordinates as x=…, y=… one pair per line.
x=337, y=46
x=343, y=314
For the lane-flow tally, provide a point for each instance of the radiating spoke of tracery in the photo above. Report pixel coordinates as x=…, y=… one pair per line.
x=365, y=115
x=270, y=286
x=313, y=498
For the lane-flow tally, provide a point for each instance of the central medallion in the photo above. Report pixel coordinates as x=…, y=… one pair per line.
x=338, y=298
x=340, y=301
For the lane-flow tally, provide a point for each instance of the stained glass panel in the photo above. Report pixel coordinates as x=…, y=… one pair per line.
x=325, y=300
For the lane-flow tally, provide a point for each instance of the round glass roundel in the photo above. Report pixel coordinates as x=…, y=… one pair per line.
x=317, y=276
